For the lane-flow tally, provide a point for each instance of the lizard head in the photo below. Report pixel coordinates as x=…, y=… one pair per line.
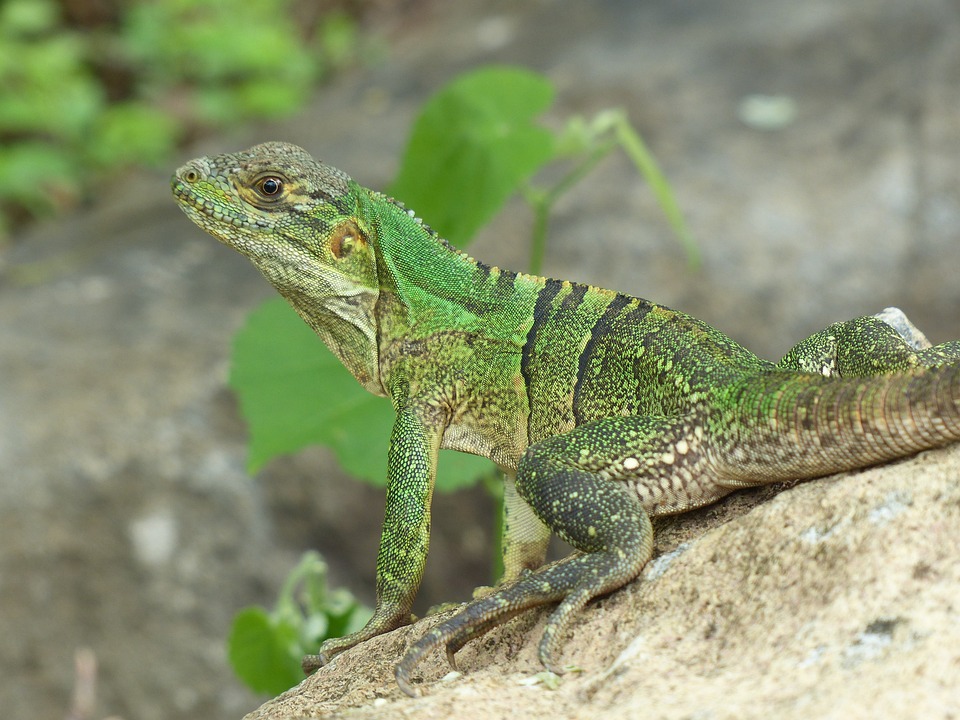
x=296, y=219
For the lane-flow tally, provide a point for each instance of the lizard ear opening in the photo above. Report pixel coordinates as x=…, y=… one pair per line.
x=346, y=237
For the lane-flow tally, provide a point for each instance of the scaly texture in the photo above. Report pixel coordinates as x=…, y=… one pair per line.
x=603, y=410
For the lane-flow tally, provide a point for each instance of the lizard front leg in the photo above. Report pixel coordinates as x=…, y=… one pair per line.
x=405, y=539
x=592, y=486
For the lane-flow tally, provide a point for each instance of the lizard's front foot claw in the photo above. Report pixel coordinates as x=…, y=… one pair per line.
x=329, y=649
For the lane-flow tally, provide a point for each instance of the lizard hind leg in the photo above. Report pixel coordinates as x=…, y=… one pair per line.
x=603, y=519
x=475, y=619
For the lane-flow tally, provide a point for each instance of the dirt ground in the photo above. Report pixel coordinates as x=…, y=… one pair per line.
x=129, y=526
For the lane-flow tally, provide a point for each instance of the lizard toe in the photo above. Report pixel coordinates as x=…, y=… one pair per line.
x=402, y=676
x=311, y=663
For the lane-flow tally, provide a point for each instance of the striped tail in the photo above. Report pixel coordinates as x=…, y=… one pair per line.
x=785, y=426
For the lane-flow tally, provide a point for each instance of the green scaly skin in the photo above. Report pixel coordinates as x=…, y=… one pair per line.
x=603, y=410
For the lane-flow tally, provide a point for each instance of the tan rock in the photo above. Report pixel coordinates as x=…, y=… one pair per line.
x=835, y=598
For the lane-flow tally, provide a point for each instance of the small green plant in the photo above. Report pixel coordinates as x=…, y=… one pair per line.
x=265, y=648
x=475, y=143
x=76, y=104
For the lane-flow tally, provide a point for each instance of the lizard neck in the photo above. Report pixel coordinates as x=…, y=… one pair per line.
x=431, y=287
x=346, y=326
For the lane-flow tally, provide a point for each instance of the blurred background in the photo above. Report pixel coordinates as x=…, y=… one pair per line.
x=814, y=149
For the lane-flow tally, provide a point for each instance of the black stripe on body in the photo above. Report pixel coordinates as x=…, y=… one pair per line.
x=542, y=312
x=600, y=329
x=478, y=300
x=574, y=298
x=483, y=299
x=483, y=271
x=505, y=283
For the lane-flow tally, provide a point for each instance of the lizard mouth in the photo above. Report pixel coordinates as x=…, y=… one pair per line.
x=187, y=197
x=192, y=201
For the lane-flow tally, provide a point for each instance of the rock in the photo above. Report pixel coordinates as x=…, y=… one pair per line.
x=835, y=598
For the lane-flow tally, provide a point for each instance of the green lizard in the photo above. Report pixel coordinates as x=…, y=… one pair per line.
x=603, y=410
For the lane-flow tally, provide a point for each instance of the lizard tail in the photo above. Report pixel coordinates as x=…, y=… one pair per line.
x=789, y=427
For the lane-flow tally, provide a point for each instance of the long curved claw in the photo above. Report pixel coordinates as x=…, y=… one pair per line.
x=546, y=651
x=451, y=655
x=415, y=654
x=475, y=619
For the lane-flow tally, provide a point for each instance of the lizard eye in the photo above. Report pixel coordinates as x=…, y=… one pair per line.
x=270, y=186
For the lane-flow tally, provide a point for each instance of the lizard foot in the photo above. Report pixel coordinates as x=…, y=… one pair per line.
x=573, y=581
x=384, y=619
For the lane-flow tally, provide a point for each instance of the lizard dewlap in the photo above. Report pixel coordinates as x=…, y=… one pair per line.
x=602, y=409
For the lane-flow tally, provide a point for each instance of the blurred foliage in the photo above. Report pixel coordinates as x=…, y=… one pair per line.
x=80, y=97
x=265, y=647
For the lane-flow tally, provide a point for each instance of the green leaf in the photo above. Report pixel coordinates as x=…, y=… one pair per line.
x=46, y=89
x=344, y=614
x=294, y=393
x=456, y=470
x=27, y=17
x=264, y=651
x=265, y=648
x=472, y=146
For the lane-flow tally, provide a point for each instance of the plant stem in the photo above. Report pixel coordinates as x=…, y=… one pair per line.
x=543, y=202
x=637, y=150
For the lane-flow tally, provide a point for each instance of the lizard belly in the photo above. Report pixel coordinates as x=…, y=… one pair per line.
x=467, y=439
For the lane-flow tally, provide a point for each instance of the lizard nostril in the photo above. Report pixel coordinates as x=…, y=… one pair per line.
x=191, y=176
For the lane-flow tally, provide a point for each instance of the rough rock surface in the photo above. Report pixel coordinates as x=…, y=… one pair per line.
x=128, y=524
x=835, y=599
